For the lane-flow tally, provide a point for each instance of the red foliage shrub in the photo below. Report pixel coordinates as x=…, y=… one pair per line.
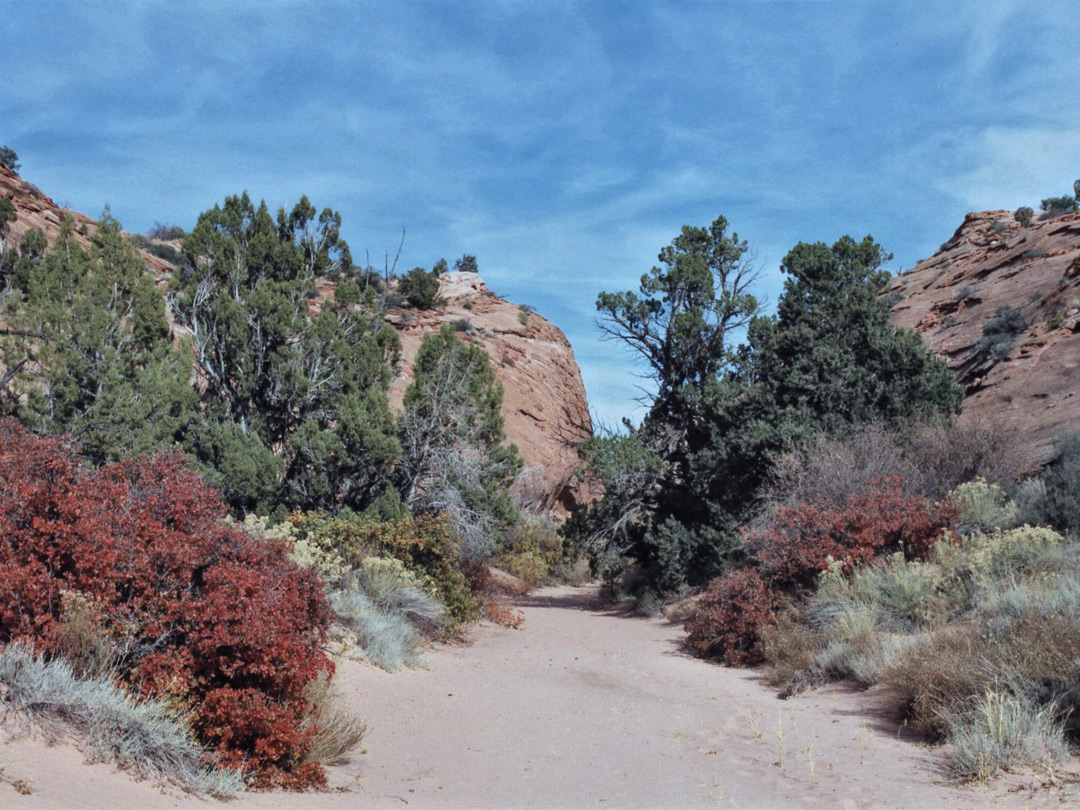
x=730, y=616
x=880, y=519
x=224, y=624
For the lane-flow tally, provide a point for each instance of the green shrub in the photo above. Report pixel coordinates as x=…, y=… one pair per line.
x=986, y=558
x=984, y=506
x=999, y=333
x=1055, y=322
x=900, y=593
x=429, y=547
x=1061, y=505
x=1002, y=732
x=420, y=288
x=1056, y=206
x=980, y=643
x=166, y=233
x=854, y=626
x=531, y=550
x=166, y=252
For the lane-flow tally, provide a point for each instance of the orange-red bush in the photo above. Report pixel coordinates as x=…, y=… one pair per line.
x=729, y=617
x=222, y=623
x=797, y=544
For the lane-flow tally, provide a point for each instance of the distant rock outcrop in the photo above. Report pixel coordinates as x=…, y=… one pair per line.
x=36, y=210
x=544, y=402
x=1024, y=370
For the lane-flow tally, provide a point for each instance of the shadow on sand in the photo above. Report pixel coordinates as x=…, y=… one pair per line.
x=880, y=710
x=589, y=598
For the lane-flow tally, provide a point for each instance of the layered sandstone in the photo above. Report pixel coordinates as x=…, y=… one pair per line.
x=993, y=262
x=36, y=210
x=544, y=402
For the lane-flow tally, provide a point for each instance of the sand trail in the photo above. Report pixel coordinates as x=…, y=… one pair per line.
x=584, y=707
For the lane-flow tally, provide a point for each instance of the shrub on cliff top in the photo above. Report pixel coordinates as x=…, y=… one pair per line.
x=224, y=626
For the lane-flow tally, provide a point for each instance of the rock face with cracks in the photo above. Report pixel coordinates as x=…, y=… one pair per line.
x=544, y=402
x=1026, y=377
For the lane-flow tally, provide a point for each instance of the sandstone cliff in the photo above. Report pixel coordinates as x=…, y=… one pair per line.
x=35, y=209
x=544, y=402
x=1031, y=379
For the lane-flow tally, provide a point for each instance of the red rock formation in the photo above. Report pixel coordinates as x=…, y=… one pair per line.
x=989, y=263
x=36, y=210
x=544, y=402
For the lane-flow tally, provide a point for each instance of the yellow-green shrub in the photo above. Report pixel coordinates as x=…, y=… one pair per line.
x=531, y=550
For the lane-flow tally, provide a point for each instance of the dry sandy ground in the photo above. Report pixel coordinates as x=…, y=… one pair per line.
x=582, y=708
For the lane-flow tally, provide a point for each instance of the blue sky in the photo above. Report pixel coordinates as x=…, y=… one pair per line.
x=561, y=143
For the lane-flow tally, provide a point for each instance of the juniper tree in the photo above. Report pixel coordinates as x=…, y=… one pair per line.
x=454, y=457
x=828, y=359
x=93, y=351
x=281, y=381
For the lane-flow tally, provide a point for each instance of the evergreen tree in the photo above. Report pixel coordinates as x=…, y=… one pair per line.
x=9, y=159
x=91, y=344
x=420, y=287
x=681, y=323
x=454, y=457
x=278, y=379
x=466, y=264
x=681, y=326
x=828, y=359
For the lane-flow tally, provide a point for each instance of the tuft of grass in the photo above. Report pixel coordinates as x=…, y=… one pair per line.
x=1003, y=732
x=339, y=732
x=386, y=638
x=108, y=724
x=396, y=589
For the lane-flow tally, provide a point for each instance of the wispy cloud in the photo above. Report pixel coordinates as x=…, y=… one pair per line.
x=563, y=142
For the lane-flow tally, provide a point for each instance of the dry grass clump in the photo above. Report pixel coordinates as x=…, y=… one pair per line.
x=1004, y=731
x=108, y=723
x=981, y=643
x=384, y=637
x=339, y=732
